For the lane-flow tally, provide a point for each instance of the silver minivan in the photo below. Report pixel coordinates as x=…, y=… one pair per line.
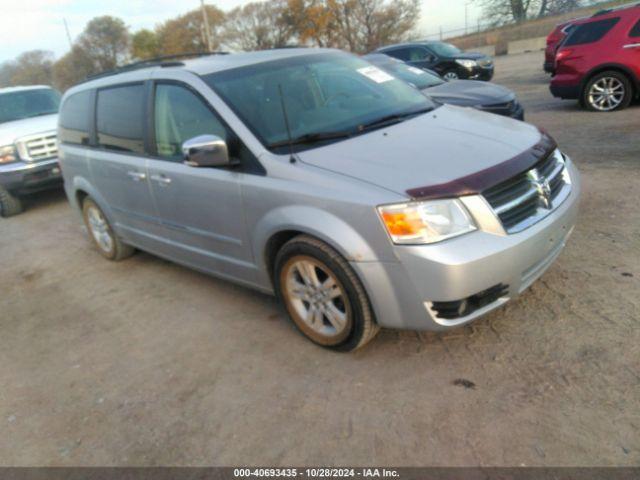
x=314, y=175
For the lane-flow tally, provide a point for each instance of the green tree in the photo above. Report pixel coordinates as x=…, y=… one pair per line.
x=106, y=41
x=145, y=44
x=72, y=68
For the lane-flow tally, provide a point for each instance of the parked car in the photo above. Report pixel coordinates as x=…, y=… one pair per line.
x=554, y=39
x=445, y=59
x=599, y=62
x=315, y=175
x=464, y=93
x=28, y=150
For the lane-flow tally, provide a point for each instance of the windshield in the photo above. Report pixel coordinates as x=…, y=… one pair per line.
x=327, y=97
x=28, y=103
x=445, y=49
x=413, y=75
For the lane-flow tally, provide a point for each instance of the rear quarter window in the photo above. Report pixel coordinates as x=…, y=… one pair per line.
x=75, y=119
x=120, y=118
x=635, y=31
x=591, y=32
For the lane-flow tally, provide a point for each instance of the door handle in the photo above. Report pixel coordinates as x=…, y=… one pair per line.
x=161, y=179
x=632, y=45
x=137, y=176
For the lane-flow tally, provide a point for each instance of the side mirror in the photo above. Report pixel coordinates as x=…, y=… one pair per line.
x=206, y=151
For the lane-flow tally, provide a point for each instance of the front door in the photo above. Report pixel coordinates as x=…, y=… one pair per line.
x=200, y=208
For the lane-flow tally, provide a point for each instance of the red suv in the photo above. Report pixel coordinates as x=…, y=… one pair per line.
x=599, y=61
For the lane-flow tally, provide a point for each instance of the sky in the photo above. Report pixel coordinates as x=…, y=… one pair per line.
x=39, y=24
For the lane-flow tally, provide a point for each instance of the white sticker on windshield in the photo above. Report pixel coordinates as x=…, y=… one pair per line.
x=375, y=74
x=417, y=71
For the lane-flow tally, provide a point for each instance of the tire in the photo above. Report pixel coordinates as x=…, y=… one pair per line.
x=451, y=75
x=9, y=204
x=617, y=94
x=351, y=305
x=101, y=233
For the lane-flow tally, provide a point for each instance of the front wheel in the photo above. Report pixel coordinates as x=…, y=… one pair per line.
x=322, y=295
x=9, y=204
x=607, y=91
x=451, y=75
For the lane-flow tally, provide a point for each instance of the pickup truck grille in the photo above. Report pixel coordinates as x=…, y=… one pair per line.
x=531, y=195
x=38, y=147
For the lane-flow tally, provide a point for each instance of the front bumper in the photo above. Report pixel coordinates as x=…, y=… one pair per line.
x=26, y=177
x=403, y=293
x=482, y=73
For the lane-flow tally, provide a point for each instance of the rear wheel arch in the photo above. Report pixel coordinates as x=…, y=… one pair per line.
x=616, y=67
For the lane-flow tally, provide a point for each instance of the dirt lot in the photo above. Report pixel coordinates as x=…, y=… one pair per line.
x=147, y=363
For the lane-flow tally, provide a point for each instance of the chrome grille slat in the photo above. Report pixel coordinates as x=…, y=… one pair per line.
x=38, y=147
x=527, y=197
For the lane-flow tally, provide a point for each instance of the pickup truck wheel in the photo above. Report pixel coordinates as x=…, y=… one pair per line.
x=103, y=236
x=322, y=295
x=9, y=204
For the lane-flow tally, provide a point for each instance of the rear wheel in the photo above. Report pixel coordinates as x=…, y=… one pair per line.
x=607, y=91
x=103, y=236
x=322, y=295
x=9, y=204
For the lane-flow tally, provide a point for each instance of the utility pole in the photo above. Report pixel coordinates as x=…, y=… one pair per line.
x=466, y=16
x=66, y=27
x=207, y=32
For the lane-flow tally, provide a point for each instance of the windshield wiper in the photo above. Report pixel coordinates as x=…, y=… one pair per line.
x=391, y=119
x=309, y=138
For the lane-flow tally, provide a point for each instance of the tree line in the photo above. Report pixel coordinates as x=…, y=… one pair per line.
x=106, y=42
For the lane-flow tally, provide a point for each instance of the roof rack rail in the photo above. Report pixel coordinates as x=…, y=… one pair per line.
x=162, y=61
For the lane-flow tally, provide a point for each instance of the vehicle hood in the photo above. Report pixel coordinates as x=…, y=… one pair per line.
x=469, y=93
x=431, y=149
x=469, y=55
x=11, y=131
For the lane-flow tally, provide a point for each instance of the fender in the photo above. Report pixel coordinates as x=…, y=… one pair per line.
x=335, y=232
x=81, y=183
x=615, y=66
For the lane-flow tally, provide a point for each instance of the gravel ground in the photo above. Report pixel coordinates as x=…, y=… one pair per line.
x=147, y=363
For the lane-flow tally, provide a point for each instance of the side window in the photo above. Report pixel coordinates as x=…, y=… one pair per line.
x=74, y=119
x=179, y=116
x=399, y=53
x=418, y=54
x=590, y=32
x=120, y=118
x=635, y=31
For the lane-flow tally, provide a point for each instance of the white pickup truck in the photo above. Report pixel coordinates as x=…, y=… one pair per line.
x=28, y=145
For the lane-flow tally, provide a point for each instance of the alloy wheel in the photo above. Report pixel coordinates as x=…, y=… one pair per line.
x=100, y=229
x=451, y=76
x=317, y=299
x=606, y=94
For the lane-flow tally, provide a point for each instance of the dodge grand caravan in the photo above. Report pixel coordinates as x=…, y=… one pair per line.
x=312, y=174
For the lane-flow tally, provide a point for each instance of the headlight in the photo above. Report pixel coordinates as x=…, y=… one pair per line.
x=7, y=154
x=467, y=63
x=426, y=222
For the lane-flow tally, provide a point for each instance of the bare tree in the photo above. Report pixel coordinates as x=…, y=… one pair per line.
x=258, y=26
x=506, y=11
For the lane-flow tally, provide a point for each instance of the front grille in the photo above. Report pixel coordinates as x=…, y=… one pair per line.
x=466, y=306
x=531, y=195
x=503, y=108
x=38, y=147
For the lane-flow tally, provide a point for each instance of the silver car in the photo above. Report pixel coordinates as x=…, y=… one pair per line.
x=313, y=175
